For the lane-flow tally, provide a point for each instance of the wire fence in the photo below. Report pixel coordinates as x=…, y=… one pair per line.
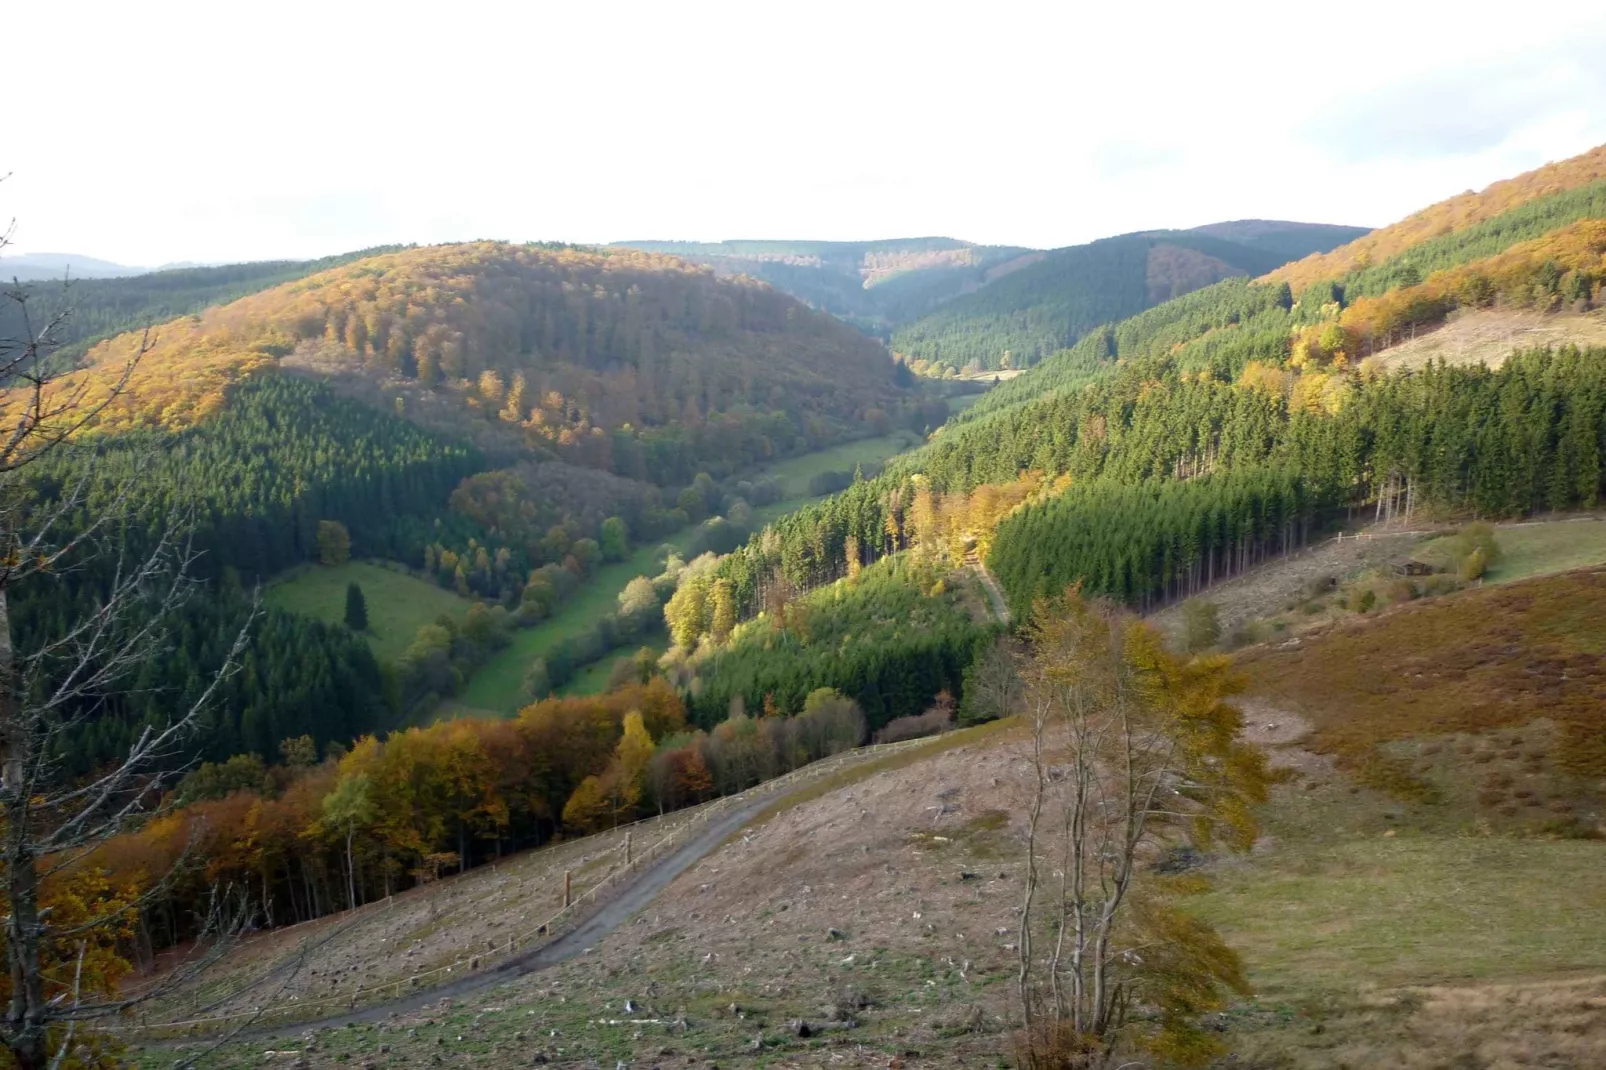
x=569, y=917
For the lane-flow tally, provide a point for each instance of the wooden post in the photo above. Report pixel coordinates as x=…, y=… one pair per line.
x=566, y=877
x=627, y=848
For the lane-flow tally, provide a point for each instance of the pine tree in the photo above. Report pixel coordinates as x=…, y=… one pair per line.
x=356, y=608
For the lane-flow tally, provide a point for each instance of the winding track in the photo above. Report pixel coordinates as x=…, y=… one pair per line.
x=612, y=914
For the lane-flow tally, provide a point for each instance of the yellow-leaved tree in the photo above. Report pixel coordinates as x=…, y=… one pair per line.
x=1134, y=754
x=613, y=797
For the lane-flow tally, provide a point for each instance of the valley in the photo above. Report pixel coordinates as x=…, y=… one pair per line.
x=1183, y=648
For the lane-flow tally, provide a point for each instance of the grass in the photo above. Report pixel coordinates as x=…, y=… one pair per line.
x=1529, y=550
x=1373, y=940
x=498, y=685
x=794, y=473
x=1413, y=909
x=593, y=679
x=398, y=603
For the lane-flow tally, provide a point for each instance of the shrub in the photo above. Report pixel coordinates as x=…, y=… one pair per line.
x=1401, y=590
x=939, y=718
x=991, y=685
x=1473, y=566
x=1360, y=599
x=829, y=482
x=1440, y=584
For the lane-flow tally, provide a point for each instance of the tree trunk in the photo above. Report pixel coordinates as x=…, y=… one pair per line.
x=25, y=1018
x=351, y=867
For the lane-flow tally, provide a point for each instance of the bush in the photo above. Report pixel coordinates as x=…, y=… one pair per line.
x=938, y=719
x=537, y=683
x=1437, y=585
x=1401, y=590
x=1360, y=599
x=1473, y=566
x=991, y=685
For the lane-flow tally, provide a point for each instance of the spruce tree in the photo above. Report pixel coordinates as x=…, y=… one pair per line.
x=356, y=609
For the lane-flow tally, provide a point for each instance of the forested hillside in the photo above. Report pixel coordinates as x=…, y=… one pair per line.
x=1186, y=443
x=873, y=285
x=255, y=484
x=503, y=419
x=1049, y=305
x=629, y=362
x=1446, y=218
x=96, y=308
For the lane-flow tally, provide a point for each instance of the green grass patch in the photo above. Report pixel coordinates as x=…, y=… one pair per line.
x=1530, y=550
x=795, y=472
x=398, y=603
x=498, y=684
x=1411, y=910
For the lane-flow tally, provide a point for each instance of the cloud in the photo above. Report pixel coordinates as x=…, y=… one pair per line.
x=1473, y=108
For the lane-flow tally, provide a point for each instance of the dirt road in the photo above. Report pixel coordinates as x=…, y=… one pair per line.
x=610, y=916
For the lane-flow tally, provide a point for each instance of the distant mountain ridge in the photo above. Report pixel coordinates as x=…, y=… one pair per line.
x=1051, y=303
x=29, y=266
x=874, y=285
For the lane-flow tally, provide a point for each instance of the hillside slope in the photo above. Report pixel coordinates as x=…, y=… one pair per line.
x=874, y=285
x=1178, y=447
x=1048, y=305
x=95, y=307
x=1448, y=218
x=632, y=362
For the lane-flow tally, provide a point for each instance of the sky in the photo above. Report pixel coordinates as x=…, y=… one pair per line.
x=160, y=132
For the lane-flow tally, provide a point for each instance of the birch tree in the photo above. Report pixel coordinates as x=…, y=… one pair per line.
x=52, y=684
x=1134, y=755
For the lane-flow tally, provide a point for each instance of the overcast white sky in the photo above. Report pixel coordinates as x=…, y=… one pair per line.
x=160, y=131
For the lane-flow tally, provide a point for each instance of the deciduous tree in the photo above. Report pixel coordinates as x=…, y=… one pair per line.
x=1132, y=752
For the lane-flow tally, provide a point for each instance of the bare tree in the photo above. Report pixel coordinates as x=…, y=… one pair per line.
x=54, y=684
x=1133, y=754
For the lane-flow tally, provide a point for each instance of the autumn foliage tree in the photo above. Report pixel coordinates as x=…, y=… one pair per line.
x=1133, y=752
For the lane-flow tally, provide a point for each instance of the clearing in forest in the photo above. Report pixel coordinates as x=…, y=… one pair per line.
x=399, y=603
x=1490, y=335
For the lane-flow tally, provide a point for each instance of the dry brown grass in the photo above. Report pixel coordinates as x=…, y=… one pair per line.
x=1476, y=663
x=1488, y=336
x=1509, y=1026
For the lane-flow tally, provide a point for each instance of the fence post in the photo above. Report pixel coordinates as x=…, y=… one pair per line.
x=627, y=849
x=566, y=877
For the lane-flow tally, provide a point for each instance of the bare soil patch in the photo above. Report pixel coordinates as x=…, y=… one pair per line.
x=1488, y=336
